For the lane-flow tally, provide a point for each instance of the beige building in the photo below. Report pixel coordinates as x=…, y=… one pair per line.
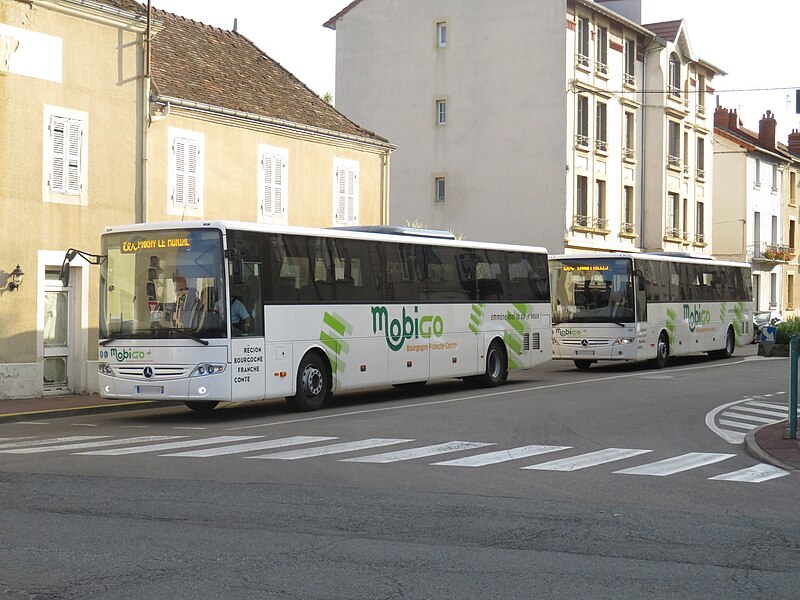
x=756, y=179
x=87, y=139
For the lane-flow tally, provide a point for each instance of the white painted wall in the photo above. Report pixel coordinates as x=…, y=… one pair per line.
x=502, y=74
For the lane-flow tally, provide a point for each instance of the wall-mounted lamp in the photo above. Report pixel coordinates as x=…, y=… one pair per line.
x=16, y=279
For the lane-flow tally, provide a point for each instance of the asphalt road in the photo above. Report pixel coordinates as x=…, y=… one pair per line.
x=560, y=484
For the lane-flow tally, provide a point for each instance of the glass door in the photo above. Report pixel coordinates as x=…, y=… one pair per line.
x=56, y=335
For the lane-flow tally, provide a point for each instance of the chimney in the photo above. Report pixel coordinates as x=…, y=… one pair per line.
x=794, y=142
x=726, y=119
x=766, y=131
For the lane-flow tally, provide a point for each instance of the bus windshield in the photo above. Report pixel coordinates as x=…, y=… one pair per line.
x=163, y=284
x=592, y=290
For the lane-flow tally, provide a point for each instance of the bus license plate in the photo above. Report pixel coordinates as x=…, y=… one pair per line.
x=584, y=352
x=150, y=389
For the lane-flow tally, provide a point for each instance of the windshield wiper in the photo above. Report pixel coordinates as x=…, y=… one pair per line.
x=186, y=334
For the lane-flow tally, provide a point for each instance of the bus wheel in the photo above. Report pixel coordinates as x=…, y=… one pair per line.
x=583, y=365
x=662, y=352
x=313, y=384
x=730, y=346
x=496, y=365
x=201, y=406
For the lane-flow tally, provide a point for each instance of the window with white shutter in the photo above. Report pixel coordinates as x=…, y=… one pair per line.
x=65, y=160
x=273, y=182
x=346, y=193
x=186, y=172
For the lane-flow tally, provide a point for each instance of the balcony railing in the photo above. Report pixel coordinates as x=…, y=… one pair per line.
x=601, y=145
x=628, y=228
x=600, y=223
x=700, y=173
x=629, y=79
x=701, y=110
x=674, y=161
x=629, y=154
x=600, y=68
x=699, y=238
x=581, y=221
x=582, y=61
x=674, y=233
x=582, y=140
x=763, y=252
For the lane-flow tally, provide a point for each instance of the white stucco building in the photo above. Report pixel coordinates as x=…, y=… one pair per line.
x=528, y=122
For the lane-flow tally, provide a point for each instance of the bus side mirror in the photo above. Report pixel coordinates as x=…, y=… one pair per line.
x=236, y=265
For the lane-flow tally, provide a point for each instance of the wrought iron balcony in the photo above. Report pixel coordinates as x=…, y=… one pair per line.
x=775, y=253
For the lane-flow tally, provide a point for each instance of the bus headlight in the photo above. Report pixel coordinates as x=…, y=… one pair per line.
x=623, y=341
x=207, y=369
x=104, y=369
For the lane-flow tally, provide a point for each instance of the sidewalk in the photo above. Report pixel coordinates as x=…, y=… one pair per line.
x=27, y=409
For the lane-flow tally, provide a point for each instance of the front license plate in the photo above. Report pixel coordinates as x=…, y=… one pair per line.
x=584, y=352
x=150, y=389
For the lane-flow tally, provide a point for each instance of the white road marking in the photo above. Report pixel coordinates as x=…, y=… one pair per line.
x=331, y=449
x=61, y=440
x=754, y=474
x=222, y=439
x=251, y=446
x=751, y=418
x=100, y=444
x=84, y=425
x=412, y=453
x=737, y=424
x=769, y=405
x=670, y=466
x=760, y=411
x=590, y=459
x=492, y=458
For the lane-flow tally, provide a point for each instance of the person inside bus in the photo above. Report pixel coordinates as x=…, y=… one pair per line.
x=241, y=319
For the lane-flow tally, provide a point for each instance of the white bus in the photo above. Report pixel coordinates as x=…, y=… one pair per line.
x=220, y=311
x=647, y=306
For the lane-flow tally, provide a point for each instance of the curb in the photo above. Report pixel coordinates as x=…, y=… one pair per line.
x=753, y=449
x=77, y=410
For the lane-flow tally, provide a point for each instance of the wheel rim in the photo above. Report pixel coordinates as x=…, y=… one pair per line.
x=662, y=348
x=312, y=380
x=494, y=364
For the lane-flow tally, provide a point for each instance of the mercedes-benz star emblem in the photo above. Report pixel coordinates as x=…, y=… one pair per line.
x=584, y=342
x=148, y=372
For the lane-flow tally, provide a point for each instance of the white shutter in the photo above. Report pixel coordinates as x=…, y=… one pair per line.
x=58, y=159
x=274, y=181
x=346, y=200
x=74, y=135
x=191, y=172
x=179, y=185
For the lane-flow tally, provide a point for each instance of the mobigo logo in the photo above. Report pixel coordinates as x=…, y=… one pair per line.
x=567, y=332
x=121, y=355
x=397, y=331
x=696, y=317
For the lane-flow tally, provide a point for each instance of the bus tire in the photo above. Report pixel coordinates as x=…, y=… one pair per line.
x=582, y=364
x=730, y=346
x=313, y=384
x=200, y=406
x=662, y=352
x=496, y=365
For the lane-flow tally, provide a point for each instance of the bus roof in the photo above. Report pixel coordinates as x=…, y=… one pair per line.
x=333, y=232
x=682, y=257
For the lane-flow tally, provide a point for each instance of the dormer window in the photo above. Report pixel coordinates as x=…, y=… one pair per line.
x=674, y=75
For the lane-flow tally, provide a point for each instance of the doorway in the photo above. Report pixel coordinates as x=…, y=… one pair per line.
x=58, y=338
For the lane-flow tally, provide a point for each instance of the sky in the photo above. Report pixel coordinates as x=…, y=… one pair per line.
x=752, y=41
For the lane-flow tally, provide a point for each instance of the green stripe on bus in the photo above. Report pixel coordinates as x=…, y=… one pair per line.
x=515, y=323
x=330, y=342
x=334, y=323
x=512, y=342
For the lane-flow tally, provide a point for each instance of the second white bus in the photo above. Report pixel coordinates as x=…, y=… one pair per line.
x=647, y=307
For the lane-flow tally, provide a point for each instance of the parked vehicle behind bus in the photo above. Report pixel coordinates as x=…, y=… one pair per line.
x=219, y=311
x=647, y=307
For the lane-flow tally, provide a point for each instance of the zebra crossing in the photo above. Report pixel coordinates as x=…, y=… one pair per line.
x=734, y=420
x=304, y=447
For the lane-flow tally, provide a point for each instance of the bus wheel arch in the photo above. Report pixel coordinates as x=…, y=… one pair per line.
x=662, y=351
x=201, y=406
x=496, y=371
x=730, y=345
x=314, y=383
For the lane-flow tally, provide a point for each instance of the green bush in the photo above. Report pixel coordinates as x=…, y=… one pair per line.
x=786, y=329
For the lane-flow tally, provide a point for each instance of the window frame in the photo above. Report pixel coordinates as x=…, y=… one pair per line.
x=176, y=137
x=276, y=156
x=344, y=167
x=441, y=34
x=441, y=111
x=75, y=163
